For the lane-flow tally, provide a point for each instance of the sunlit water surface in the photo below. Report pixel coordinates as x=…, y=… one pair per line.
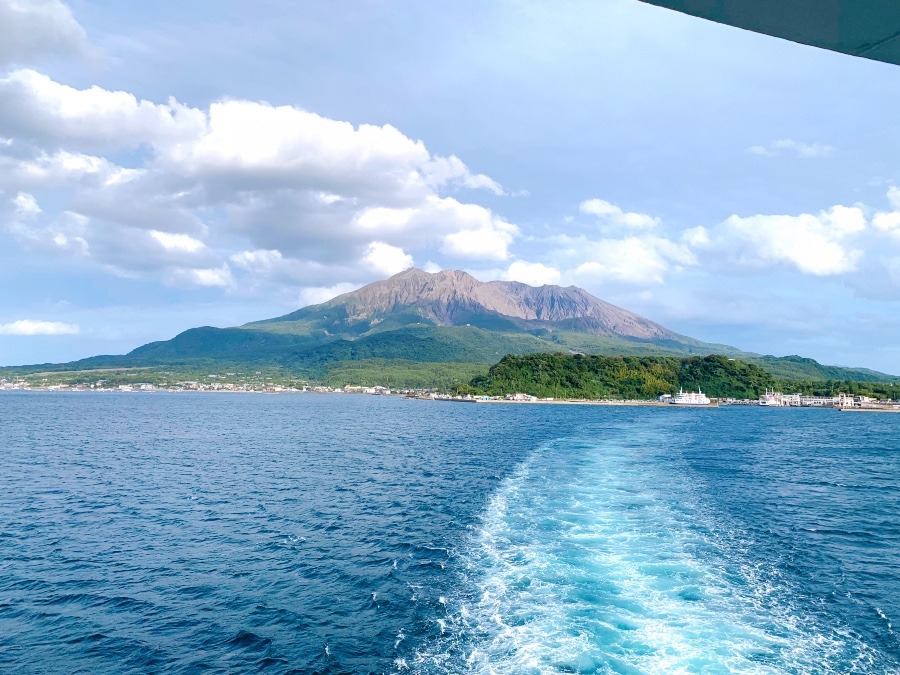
x=353, y=534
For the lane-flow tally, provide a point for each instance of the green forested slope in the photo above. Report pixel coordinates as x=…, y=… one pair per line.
x=313, y=355
x=631, y=377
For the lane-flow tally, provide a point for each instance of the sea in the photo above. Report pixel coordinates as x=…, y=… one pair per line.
x=243, y=533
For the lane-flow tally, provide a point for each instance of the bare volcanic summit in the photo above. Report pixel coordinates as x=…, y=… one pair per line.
x=455, y=298
x=437, y=322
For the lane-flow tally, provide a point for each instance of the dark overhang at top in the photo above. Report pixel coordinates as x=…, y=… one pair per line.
x=867, y=28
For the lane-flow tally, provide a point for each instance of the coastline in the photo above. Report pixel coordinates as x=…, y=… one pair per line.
x=638, y=403
x=584, y=402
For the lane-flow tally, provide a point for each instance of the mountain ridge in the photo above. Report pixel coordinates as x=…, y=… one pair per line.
x=454, y=298
x=441, y=318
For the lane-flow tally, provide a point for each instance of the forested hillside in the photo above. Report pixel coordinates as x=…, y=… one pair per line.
x=634, y=377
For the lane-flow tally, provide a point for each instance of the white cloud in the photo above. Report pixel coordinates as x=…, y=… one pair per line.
x=257, y=260
x=616, y=216
x=632, y=260
x=837, y=242
x=384, y=219
x=893, y=195
x=316, y=295
x=386, y=259
x=533, y=274
x=268, y=272
x=889, y=221
x=233, y=181
x=174, y=259
x=204, y=277
x=813, y=244
x=63, y=167
x=696, y=237
x=30, y=327
x=26, y=205
x=485, y=243
x=31, y=29
x=787, y=145
x=465, y=230
x=28, y=225
x=296, y=145
x=761, y=150
x=177, y=242
x=628, y=256
x=451, y=170
x=35, y=107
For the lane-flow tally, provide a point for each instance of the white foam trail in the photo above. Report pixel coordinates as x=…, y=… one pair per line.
x=614, y=565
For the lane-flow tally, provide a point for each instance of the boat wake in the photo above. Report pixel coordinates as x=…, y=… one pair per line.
x=600, y=557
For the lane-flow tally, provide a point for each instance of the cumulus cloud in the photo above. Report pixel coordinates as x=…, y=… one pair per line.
x=633, y=250
x=893, y=196
x=34, y=107
x=644, y=260
x=532, y=273
x=839, y=242
x=889, y=221
x=789, y=146
x=483, y=243
x=259, y=260
x=464, y=230
x=64, y=167
x=26, y=222
x=316, y=295
x=177, y=242
x=175, y=259
x=31, y=327
x=616, y=216
x=26, y=205
x=220, y=277
x=250, y=141
x=819, y=244
x=36, y=28
x=386, y=259
x=451, y=170
x=237, y=192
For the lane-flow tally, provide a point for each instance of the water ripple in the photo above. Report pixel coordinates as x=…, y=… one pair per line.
x=317, y=534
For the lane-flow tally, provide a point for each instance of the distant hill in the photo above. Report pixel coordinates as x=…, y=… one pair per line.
x=455, y=298
x=448, y=317
x=645, y=377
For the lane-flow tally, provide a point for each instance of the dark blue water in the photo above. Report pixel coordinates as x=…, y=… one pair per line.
x=354, y=534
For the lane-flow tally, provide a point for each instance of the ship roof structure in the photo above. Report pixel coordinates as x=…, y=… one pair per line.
x=866, y=28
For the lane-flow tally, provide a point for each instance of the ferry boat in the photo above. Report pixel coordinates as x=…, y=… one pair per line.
x=772, y=399
x=690, y=398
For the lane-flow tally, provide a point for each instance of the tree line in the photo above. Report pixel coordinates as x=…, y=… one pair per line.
x=646, y=377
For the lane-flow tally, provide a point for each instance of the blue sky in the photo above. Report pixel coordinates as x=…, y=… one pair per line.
x=165, y=166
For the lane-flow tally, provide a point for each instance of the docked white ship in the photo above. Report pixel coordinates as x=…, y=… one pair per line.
x=775, y=399
x=772, y=399
x=690, y=398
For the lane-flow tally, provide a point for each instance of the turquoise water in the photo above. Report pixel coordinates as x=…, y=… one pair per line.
x=348, y=534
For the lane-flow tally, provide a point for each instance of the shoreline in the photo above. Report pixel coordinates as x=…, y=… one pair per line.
x=624, y=402
x=613, y=402
x=635, y=403
x=871, y=410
